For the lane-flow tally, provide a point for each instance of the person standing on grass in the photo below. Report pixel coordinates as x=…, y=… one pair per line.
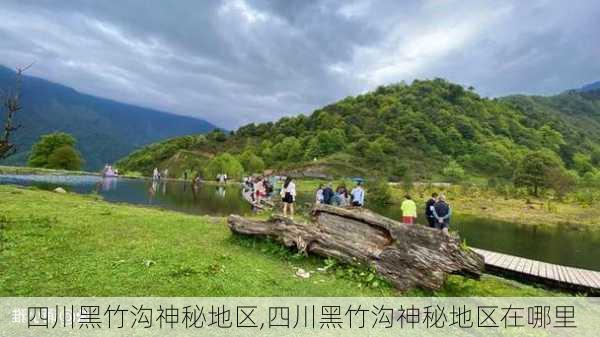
x=429, y=210
x=409, y=210
x=288, y=196
x=442, y=213
x=260, y=190
x=319, y=195
x=328, y=194
x=358, y=195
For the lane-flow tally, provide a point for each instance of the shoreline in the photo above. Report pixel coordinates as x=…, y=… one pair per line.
x=536, y=212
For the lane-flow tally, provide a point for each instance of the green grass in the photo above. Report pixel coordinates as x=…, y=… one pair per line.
x=71, y=245
x=39, y=170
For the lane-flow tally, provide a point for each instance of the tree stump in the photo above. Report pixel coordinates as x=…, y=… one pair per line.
x=407, y=255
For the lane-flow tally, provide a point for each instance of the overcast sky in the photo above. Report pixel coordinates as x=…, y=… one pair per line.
x=239, y=61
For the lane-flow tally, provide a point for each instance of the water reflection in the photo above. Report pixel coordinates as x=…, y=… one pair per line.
x=108, y=183
x=560, y=244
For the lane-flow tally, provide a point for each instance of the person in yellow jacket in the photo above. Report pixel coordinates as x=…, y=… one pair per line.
x=409, y=210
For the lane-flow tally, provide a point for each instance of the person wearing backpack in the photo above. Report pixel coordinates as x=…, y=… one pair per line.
x=429, y=210
x=442, y=213
x=328, y=194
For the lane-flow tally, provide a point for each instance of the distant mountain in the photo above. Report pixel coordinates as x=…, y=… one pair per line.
x=105, y=130
x=590, y=87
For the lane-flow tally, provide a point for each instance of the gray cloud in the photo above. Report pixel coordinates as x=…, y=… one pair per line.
x=239, y=61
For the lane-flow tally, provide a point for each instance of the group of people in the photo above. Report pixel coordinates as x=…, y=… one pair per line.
x=324, y=195
x=222, y=178
x=259, y=188
x=437, y=212
x=437, y=209
x=341, y=196
x=157, y=175
x=108, y=171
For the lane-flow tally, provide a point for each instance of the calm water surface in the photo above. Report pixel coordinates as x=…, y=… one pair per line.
x=563, y=245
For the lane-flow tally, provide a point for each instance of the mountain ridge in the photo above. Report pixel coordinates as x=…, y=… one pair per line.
x=399, y=130
x=590, y=87
x=105, y=129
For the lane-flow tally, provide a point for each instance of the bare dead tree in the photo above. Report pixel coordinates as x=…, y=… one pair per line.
x=11, y=104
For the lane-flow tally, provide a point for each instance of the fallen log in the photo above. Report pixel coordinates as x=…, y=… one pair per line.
x=265, y=204
x=407, y=255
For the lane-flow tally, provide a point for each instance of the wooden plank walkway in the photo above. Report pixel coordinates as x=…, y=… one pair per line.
x=563, y=277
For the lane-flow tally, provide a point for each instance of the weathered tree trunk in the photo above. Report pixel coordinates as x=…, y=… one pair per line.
x=407, y=255
x=10, y=102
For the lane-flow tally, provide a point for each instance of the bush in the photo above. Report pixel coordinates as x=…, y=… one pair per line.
x=454, y=172
x=224, y=163
x=251, y=162
x=379, y=192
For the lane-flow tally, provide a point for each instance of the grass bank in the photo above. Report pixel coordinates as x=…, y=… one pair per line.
x=71, y=245
x=488, y=203
x=40, y=171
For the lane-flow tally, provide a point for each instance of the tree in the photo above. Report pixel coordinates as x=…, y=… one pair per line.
x=11, y=102
x=361, y=147
x=379, y=192
x=582, y=163
x=289, y=149
x=251, y=162
x=533, y=171
x=66, y=158
x=224, y=163
x=407, y=181
x=47, y=144
x=375, y=154
x=561, y=181
x=551, y=138
x=454, y=172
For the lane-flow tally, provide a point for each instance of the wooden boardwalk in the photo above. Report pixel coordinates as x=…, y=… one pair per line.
x=568, y=278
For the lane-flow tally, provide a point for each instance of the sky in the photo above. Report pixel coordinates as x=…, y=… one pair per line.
x=241, y=61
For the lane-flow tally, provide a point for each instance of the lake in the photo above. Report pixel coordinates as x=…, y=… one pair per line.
x=562, y=244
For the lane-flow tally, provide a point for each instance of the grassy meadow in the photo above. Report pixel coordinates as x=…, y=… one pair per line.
x=72, y=245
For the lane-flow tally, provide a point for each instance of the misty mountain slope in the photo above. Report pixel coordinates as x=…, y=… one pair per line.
x=105, y=130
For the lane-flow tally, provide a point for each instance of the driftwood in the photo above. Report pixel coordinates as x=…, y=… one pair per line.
x=407, y=255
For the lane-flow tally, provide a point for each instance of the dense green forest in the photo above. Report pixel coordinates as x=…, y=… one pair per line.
x=430, y=129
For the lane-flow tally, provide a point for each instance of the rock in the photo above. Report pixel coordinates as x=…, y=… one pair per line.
x=60, y=190
x=407, y=255
x=302, y=273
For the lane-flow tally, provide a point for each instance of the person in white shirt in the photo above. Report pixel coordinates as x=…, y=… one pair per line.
x=358, y=195
x=319, y=195
x=288, y=196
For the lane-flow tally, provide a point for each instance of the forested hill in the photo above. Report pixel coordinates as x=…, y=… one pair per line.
x=575, y=114
x=418, y=129
x=105, y=130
